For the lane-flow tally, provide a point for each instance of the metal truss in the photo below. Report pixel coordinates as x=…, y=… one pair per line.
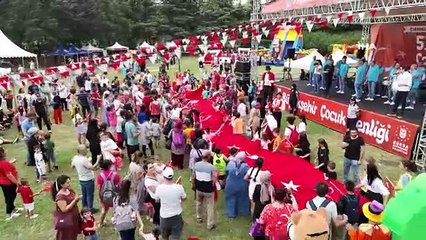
x=333, y=9
x=254, y=44
x=420, y=17
x=419, y=156
x=365, y=35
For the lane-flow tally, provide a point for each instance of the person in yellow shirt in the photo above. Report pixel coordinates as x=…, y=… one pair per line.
x=278, y=139
x=238, y=124
x=188, y=131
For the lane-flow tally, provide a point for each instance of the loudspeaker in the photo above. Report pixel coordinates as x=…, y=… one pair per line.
x=242, y=67
x=291, y=52
x=361, y=53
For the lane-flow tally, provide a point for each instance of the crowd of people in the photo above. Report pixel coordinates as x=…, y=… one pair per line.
x=119, y=120
x=398, y=85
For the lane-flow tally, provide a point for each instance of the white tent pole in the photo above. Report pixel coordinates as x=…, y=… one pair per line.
x=37, y=63
x=23, y=63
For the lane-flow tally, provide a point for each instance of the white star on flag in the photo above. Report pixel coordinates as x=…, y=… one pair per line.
x=233, y=146
x=401, y=53
x=291, y=186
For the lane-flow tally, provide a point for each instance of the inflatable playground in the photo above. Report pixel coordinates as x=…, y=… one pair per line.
x=287, y=39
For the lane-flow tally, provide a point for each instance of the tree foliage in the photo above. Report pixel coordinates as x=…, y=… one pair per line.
x=42, y=24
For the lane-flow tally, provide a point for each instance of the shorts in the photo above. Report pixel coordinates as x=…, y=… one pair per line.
x=29, y=206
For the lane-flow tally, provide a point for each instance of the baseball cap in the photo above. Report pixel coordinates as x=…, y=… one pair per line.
x=168, y=173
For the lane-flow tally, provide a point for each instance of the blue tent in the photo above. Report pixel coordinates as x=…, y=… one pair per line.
x=59, y=51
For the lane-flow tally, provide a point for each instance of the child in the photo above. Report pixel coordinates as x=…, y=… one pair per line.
x=350, y=203
x=159, y=165
x=264, y=141
x=50, y=151
x=20, y=116
x=238, y=124
x=88, y=225
x=27, y=196
x=154, y=235
x=278, y=139
x=294, y=99
x=409, y=168
x=81, y=128
x=40, y=162
x=331, y=171
x=219, y=162
x=156, y=132
x=322, y=155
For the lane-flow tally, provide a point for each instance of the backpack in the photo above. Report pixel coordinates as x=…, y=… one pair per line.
x=294, y=136
x=124, y=217
x=351, y=206
x=178, y=138
x=322, y=205
x=108, y=191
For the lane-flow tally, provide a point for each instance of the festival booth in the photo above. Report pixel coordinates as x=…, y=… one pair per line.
x=90, y=49
x=304, y=62
x=117, y=48
x=8, y=49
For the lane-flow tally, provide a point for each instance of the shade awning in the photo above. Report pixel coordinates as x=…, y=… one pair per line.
x=117, y=47
x=8, y=49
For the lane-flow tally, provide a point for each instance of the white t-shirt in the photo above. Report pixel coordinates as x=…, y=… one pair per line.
x=151, y=186
x=331, y=208
x=252, y=184
x=170, y=197
x=242, y=110
x=81, y=164
x=377, y=186
x=119, y=127
x=404, y=82
x=88, y=85
x=266, y=80
x=352, y=111
x=302, y=127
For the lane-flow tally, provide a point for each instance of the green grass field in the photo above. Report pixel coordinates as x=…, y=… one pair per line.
x=65, y=138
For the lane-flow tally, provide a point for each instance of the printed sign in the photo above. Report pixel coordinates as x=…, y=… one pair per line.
x=390, y=134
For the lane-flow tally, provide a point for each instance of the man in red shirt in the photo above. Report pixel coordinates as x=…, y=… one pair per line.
x=268, y=80
x=147, y=100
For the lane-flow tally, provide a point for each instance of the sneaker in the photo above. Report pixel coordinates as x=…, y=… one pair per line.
x=353, y=95
x=399, y=107
x=385, y=97
x=308, y=84
x=34, y=216
x=409, y=108
x=341, y=92
x=322, y=88
x=378, y=95
x=50, y=131
x=399, y=117
x=18, y=210
x=338, y=92
x=392, y=103
x=358, y=100
x=391, y=114
x=387, y=102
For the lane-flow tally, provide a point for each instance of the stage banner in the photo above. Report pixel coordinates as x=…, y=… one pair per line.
x=282, y=5
x=390, y=134
x=405, y=42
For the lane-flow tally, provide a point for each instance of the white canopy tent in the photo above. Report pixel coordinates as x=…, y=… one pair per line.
x=338, y=55
x=91, y=49
x=305, y=62
x=8, y=49
x=145, y=45
x=117, y=47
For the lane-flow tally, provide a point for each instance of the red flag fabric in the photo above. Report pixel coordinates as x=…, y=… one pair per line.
x=324, y=24
x=285, y=168
x=340, y=15
x=373, y=12
x=350, y=18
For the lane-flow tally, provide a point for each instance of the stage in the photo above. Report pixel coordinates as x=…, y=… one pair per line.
x=413, y=116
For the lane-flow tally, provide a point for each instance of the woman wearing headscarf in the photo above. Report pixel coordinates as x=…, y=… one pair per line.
x=262, y=194
x=178, y=145
x=236, y=190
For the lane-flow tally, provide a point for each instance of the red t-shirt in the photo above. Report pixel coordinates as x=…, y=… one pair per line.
x=88, y=223
x=155, y=108
x=147, y=102
x=5, y=168
x=108, y=174
x=26, y=194
x=275, y=221
x=96, y=98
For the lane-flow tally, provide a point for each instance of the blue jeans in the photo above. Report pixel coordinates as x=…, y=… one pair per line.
x=371, y=89
x=92, y=237
x=412, y=95
x=349, y=164
x=87, y=190
x=311, y=78
x=128, y=234
x=358, y=90
x=317, y=80
x=342, y=83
